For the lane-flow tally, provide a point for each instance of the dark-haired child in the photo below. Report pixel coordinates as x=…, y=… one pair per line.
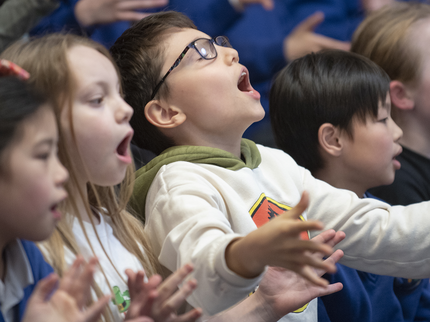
x=342, y=131
x=31, y=186
x=208, y=190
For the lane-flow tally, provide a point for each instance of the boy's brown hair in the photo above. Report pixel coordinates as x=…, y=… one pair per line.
x=139, y=54
x=383, y=37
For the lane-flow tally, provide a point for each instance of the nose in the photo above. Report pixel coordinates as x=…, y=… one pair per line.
x=61, y=174
x=230, y=55
x=397, y=131
x=124, y=112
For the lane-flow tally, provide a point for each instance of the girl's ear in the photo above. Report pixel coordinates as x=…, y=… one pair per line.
x=163, y=115
x=329, y=139
x=401, y=96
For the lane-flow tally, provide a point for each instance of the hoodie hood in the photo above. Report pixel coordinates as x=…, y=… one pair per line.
x=194, y=154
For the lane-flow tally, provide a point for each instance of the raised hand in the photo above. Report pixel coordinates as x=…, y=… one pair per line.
x=91, y=12
x=282, y=291
x=60, y=306
x=278, y=243
x=303, y=40
x=77, y=280
x=160, y=300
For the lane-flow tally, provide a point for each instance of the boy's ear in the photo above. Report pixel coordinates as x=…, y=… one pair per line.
x=401, y=96
x=163, y=115
x=329, y=139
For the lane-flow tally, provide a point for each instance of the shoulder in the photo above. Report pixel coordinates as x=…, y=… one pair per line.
x=38, y=264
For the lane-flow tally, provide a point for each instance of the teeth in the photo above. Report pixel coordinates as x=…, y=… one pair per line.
x=242, y=76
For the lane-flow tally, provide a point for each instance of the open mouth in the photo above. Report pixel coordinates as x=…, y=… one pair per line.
x=244, y=85
x=56, y=213
x=122, y=149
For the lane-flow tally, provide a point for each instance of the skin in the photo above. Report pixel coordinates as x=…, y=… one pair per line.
x=93, y=12
x=101, y=120
x=368, y=159
x=303, y=40
x=412, y=101
x=34, y=183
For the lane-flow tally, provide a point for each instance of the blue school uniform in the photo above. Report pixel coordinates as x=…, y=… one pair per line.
x=39, y=269
x=374, y=298
x=210, y=16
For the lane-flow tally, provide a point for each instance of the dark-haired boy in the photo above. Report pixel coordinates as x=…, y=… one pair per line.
x=349, y=140
x=204, y=196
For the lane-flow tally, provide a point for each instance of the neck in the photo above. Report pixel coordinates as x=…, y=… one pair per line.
x=232, y=146
x=81, y=201
x=335, y=178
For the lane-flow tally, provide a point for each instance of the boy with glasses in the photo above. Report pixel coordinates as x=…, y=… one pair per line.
x=207, y=191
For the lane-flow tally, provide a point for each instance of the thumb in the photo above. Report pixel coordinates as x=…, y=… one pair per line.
x=298, y=210
x=311, y=22
x=301, y=206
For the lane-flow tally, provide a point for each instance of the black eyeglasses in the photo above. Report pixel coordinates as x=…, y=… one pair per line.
x=206, y=49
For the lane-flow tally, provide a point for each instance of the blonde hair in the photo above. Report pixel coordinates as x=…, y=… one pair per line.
x=383, y=37
x=45, y=59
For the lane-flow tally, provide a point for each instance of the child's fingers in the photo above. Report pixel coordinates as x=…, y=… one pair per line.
x=79, y=280
x=330, y=289
x=307, y=259
x=330, y=237
x=295, y=227
x=303, y=246
x=71, y=274
x=178, y=298
x=333, y=259
x=135, y=282
x=44, y=288
x=93, y=313
x=169, y=286
x=142, y=305
x=308, y=273
x=190, y=316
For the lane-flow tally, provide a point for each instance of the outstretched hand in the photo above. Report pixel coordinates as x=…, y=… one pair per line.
x=278, y=243
x=160, y=300
x=92, y=12
x=303, y=40
x=282, y=291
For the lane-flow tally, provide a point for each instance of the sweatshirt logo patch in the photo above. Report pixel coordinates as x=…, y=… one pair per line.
x=266, y=209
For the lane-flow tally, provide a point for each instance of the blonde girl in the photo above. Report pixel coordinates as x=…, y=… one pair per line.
x=83, y=84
